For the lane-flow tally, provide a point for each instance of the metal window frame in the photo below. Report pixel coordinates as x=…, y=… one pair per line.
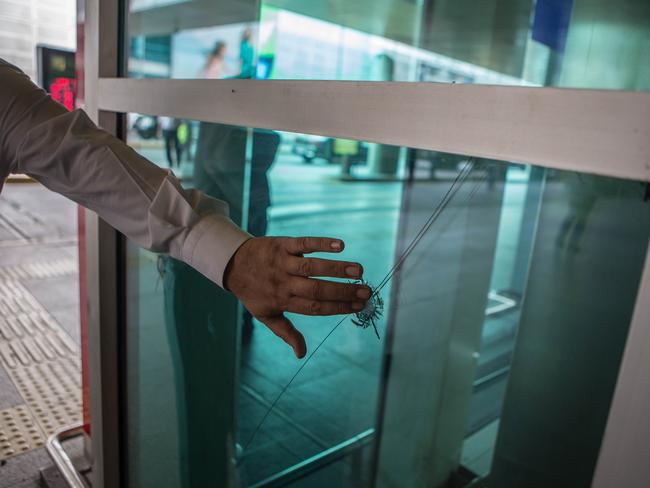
x=603, y=132
x=103, y=262
x=593, y=131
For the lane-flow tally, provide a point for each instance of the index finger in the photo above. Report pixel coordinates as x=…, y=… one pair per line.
x=306, y=245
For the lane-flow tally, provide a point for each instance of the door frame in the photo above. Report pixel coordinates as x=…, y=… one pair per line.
x=588, y=130
x=104, y=263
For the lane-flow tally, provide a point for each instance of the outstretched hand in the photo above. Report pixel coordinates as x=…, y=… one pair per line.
x=271, y=276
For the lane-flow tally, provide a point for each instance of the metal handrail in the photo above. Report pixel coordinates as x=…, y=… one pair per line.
x=61, y=459
x=317, y=461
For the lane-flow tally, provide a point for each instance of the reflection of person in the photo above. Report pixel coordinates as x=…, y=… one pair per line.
x=169, y=126
x=581, y=198
x=219, y=171
x=206, y=416
x=184, y=135
x=202, y=319
x=215, y=65
x=246, y=54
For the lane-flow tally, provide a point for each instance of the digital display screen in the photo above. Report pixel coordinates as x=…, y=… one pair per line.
x=56, y=75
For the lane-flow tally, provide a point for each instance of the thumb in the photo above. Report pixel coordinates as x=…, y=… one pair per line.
x=284, y=329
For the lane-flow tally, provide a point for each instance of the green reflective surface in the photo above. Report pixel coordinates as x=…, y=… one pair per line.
x=503, y=326
x=572, y=43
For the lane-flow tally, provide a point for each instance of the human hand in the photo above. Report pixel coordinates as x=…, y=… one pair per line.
x=271, y=276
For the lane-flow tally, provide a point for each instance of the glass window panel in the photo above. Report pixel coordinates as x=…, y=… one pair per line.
x=500, y=339
x=574, y=43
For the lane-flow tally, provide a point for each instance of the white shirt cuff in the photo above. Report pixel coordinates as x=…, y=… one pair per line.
x=210, y=245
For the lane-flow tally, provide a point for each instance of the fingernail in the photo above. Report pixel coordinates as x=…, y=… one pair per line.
x=357, y=306
x=352, y=271
x=336, y=245
x=363, y=293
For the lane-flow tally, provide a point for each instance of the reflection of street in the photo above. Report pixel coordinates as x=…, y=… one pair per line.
x=334, y=398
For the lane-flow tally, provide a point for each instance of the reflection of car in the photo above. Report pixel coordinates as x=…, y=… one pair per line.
x=311, y=147
x=445, y=162
x=146, y=126
x=330, y=149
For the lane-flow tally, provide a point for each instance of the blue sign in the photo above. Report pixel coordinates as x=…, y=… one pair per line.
x=551, y=22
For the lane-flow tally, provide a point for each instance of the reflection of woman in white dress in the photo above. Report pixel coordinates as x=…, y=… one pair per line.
x=216, y=63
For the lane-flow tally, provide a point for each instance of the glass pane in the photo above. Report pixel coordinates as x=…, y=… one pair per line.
x=503, y=323
x=195, y=341
x=581, y=43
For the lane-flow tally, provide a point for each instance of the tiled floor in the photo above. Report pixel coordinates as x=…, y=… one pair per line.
x=39, y=328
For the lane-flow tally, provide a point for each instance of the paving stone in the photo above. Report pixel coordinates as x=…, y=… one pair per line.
x=23, y=469
x=9, y=395
x=19, y=432
x=55, y=293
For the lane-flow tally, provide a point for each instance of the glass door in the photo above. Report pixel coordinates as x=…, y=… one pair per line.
x=490, y=302
x=211, y=372
x=487, y=227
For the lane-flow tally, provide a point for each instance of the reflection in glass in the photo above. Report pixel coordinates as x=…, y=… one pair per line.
x=492, y=345
x=580, y=43
x=271, y=189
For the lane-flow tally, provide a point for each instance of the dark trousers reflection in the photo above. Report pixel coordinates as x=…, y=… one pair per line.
x=582, y=197
x=201, y=318
x=173, y=148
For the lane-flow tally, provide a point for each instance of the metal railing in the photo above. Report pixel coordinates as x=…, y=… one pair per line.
x=61, y=459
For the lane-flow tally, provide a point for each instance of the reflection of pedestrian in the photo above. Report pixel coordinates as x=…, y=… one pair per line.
x=169, y=127
x=201, y=317
x=215, y=65
x=220, y=165
x=219, y=170
x=246, y=54
x=582, y=198
x=184, y=134
x=212, y=315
